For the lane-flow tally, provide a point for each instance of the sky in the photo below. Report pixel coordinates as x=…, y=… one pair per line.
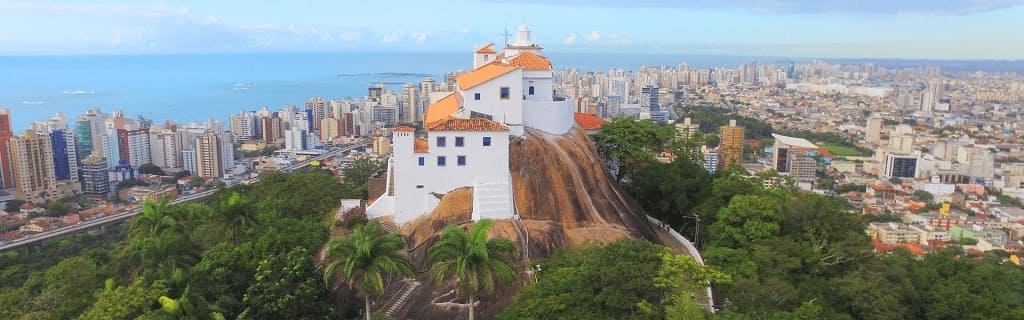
x=911, y=29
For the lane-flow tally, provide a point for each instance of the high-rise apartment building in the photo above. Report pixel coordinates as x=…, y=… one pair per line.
x=408, y=104
x=65, y=157
x=165, y=152
x=89, y=130
x=318, y=110
x=6, y=164
x=245, y=126
x=209, y=156
x=134, y=146
x=95, y=177
x=730, y=145
x=273, y=129
x=32, y=157
x=330, y=129
x=873, y=130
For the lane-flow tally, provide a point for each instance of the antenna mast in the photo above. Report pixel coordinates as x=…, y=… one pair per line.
x=506, y=34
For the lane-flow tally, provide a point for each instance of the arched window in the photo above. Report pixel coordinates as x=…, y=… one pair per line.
x=531, y=90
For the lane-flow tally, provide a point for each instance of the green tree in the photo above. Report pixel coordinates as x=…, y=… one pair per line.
x=150, y=168
x=287, y=286
x=747, y=218
x=155, y=218
x=71, y=284
x=924, y=196
x=236, y=214
x=626, y=143
x=671, y=191
x=472, y=259
x=624, y=279
x=363, y=258
x=356, y=177
x=135, y=300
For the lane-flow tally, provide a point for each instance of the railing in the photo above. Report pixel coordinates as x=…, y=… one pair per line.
x=692, y=250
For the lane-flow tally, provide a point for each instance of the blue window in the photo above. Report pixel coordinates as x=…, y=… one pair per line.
x=440, y=141
x=440, y=161
x=422, y=161
x=459, y=141
x=461, y=160
x=531, y=90
x=504, y=93
x=476, y=96
x=487, y=141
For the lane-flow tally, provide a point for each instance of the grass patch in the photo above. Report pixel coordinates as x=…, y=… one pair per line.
x=844, y=151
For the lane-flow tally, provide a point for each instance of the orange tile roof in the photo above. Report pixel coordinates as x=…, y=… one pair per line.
x=488, y=48
x=588, y=121
x=475, y=124
x=420, y=145
x=403, y=129
x=531, y=61
x=483, y=74
x=442, y=108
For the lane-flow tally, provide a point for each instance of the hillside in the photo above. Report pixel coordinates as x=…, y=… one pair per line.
x=564, y=197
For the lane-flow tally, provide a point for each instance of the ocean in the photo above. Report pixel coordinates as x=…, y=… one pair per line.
x=186, y=88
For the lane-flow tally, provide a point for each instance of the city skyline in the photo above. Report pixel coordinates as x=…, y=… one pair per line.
x=967, y=30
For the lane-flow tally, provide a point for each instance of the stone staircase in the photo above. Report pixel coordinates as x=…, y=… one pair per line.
x=388, y=223
x=410, y=287
x=492, y=200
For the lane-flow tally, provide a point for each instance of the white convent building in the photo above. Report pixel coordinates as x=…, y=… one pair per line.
x=468, y=133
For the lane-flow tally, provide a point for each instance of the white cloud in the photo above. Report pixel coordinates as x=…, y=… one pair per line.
x=594, y=36
x=419, y=37
x=393, y=36
x=570, y=38
x=618, y=39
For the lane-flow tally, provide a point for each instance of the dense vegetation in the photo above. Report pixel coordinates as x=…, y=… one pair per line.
x=625, y=279
x=247, y=254
x=793, y=255
x=711, y=118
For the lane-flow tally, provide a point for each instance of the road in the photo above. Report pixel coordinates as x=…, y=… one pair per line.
x=125, y=215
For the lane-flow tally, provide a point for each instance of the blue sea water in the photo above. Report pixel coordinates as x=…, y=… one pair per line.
x=188, y=88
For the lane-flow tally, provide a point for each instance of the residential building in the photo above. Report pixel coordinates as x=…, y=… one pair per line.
x=873, y=130
x=6, y=163
x=730, y=147
x=95, y=178
x=209, y=156
x=330, y=128
x=892, y=232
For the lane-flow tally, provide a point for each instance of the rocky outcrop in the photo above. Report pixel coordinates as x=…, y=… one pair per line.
x=563, y=196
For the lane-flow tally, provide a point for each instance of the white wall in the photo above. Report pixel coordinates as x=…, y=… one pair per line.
x=507, y=111
x=542, y=84
x=414, y=183
x=551, y=117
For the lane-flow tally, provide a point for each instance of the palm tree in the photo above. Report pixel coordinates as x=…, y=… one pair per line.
x=472, y=259
x=154, y=219
x=364, y=257
x=236, y=214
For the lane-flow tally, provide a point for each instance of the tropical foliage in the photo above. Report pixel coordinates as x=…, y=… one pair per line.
x=364, y=258
x=473, y=260
x=248, y=252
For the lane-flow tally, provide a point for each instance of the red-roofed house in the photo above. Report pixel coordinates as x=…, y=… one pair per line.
x=591, y=123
